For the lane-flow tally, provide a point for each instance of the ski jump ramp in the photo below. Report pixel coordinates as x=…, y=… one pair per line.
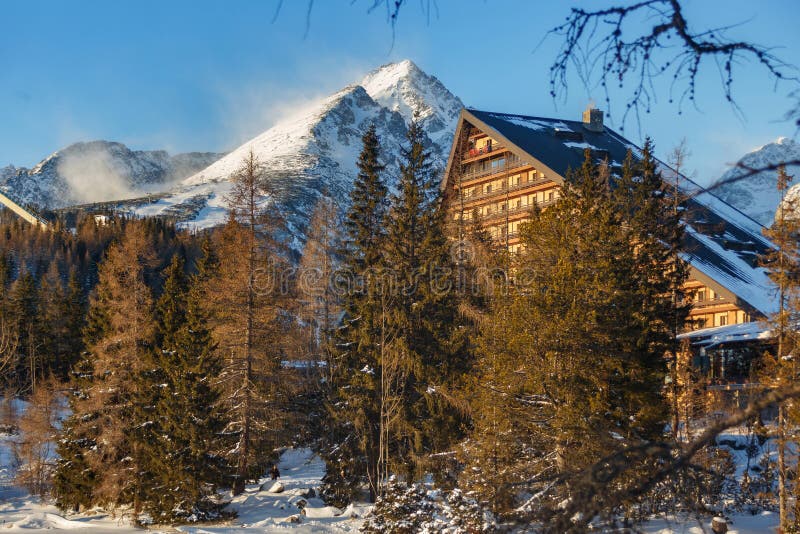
x=32, y=218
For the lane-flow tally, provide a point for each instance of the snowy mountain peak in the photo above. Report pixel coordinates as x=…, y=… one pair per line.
x=405, y=88
x=757, y=194
x=297, y=141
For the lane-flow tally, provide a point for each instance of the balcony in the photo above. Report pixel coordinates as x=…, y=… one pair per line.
x=502, y=214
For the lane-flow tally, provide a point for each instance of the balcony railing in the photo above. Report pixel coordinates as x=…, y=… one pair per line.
x=512, y=162
x=500, y=214
x=503, y=190
x=486, y=149
x=709, y=303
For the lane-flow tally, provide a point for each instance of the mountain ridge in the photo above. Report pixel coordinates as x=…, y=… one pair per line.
x=757, y=195
x=96, y=171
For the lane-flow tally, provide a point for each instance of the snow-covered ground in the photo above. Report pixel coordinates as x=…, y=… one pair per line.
x=297, y=508
x=258, y=509
x=763, y=523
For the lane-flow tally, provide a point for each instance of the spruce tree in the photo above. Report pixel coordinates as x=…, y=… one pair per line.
x=53, y=320
x=423, y=318
x=353, y=439
x=23, y=311
x=180, y=449
x=573, y=357
x=74, y=322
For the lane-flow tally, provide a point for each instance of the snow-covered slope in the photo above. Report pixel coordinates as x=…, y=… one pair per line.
x=757, y=195
x=98, y=171
x=314, y=151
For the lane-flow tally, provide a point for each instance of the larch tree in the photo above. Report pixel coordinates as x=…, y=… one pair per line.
x=781, y=368
x=38, y=431
x=319, y=300
x=98, y=462
x=244, y=307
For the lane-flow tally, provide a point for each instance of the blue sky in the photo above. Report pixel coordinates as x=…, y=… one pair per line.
x=188, y=75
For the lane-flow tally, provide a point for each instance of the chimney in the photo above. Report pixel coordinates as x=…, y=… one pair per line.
x=593, y=119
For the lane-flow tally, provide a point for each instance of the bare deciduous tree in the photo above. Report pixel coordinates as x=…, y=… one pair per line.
x=34, y=452
x=8, y=348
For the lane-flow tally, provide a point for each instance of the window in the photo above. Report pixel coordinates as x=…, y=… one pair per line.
x=550, y=196
x=700, y=296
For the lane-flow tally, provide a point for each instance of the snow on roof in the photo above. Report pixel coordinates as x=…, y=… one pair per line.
x=709, y=337
x=731, y=271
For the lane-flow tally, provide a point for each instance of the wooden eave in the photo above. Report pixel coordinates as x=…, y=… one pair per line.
x=500, y=138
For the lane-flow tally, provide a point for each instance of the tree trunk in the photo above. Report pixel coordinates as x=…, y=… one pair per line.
x=782, y=467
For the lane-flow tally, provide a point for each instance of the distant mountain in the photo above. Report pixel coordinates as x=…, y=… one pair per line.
x=99, y=171
x=757, y=195
x=314, y=151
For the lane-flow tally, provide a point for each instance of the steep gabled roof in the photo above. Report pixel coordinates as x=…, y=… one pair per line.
x=722, y=244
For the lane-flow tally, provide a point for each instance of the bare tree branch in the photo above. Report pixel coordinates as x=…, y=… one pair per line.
x=600, y=46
